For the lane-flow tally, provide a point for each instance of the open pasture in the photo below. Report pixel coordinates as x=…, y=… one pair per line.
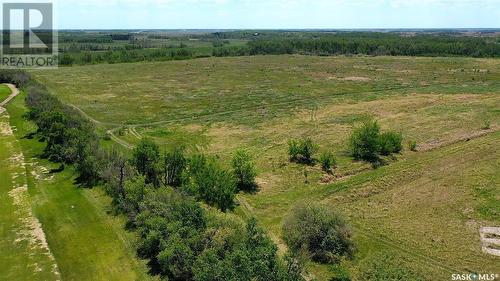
x=426, y=206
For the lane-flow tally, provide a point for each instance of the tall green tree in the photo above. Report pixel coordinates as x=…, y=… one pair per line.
x=145, y=158
x=172, y=167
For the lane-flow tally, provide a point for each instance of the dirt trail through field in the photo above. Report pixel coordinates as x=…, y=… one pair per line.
x=14, y=93
x=28, y=231
x=462, y=138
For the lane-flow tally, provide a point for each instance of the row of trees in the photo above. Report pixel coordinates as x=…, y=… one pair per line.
x=126, y=56
x=69, y=137
x=198, y=175
x=276, y=43
x=182, y=240
x=374, y=44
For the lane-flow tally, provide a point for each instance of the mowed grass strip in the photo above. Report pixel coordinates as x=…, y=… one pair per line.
x=86, y=241
x=24, y=254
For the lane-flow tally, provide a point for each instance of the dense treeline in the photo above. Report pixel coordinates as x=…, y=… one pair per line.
x=79, y=47
x=371, y=44
x=163, y=195
x=78, y=37
x=87, y=50
x=128, y=54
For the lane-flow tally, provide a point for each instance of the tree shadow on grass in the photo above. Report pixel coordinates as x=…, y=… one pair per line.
x=57, y=170
x=249, y=189
x=29, y=136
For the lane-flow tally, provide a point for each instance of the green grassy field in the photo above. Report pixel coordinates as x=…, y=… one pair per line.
x=86, y=242
x=425, y=207
x=4, y=92
x=25, y=255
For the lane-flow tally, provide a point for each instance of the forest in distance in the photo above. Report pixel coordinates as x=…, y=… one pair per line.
x=117, y=47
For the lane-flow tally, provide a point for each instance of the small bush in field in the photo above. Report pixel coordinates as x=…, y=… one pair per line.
x=364, y=141
x=302, y=150
x=318, y=232
x=368, y=143
x=390, y=142
x=328, y=162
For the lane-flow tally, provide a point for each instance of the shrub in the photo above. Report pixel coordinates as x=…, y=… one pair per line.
x=390, y=142
x=244, y=170
x=367, y=143
x=302, y=150
x=364, y=141
x=328, y=162
x=236, y=252
x=412, y=145
x=316, y=231
x=134, y=191
x=177, y=258
x=88, y=168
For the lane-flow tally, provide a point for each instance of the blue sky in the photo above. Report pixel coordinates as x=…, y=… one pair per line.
x=212, y=14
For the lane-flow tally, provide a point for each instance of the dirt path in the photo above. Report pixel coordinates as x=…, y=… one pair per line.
x=463, y=138
x=14, y=93
x=119, y=141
